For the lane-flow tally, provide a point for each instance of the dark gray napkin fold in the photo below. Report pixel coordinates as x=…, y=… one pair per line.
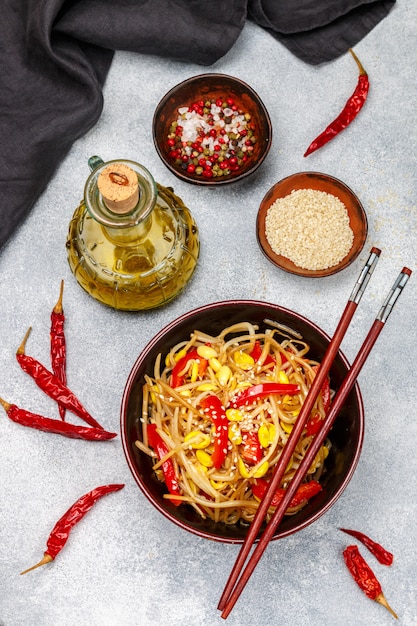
x=317, y=31
x=55, y=55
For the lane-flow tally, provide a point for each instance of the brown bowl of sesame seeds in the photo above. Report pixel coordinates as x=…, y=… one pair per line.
x=212, y=129
x=311, y=224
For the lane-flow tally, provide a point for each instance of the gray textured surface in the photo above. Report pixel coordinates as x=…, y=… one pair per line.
x=125, y=565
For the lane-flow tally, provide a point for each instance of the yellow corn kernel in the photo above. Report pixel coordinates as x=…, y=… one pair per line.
x=295, y=413
x=263, y=436
x=234, y=434
x=204, y=458
x=272, y=432
x=234, y=415
x=194, y=371
x=153, y=393
x=287, y=428
x=262, y=470
x=243, y=385
x=197, y=439
x=243, y=360
x=215, y=364
x=217, y=484
x=206, y=387
x=282, y=377
x=193, y=487
x=206, y=352
x=223, y=375
x=243, y=470
x=186, y=393
x=180, y=354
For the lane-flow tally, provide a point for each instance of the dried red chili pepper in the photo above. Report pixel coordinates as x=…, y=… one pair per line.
x=380, y=553
x=60, y=532
x=58, y=427
x=58, y=345
x=304, y=492
x=349, y=112
x=364, y=577
x=51, y=385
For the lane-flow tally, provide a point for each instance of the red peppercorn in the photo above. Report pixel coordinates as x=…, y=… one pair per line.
x=191, y=169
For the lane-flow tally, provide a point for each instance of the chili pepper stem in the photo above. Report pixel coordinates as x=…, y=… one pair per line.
x=6, y=406
x=46, y=559
x=362, y=71
x=22, y=347
x=58, y=306
x=382, y=600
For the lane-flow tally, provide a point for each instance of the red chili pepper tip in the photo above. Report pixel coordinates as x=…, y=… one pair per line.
x=365, y=577
x=380, y=553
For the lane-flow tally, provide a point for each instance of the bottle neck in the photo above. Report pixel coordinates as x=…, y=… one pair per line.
x=135, y=219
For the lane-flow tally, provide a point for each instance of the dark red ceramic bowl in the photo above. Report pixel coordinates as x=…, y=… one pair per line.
x=212, y=87
x=346, y=435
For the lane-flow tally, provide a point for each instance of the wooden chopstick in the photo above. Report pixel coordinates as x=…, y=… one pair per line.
x=302, y=418
x=340, y=397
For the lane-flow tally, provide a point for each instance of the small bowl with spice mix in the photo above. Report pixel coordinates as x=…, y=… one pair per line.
x=212, y=129
x=311, y=224
x=201, y=431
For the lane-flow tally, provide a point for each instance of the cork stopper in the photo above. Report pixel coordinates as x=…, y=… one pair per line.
x=118, y=185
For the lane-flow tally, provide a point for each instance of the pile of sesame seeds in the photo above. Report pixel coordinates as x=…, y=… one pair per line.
x=310, y=228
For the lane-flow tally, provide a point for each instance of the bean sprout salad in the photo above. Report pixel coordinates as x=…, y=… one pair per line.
x=217, y=413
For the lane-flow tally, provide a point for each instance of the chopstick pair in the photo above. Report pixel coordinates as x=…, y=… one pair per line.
x=235, y=585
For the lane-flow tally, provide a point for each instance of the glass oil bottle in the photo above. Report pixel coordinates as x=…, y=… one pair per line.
x=132, y=244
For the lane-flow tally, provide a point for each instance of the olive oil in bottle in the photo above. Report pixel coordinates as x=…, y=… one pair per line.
x=132, y=244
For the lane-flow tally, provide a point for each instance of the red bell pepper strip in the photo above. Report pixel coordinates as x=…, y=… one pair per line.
x=257, y=351
x=213, y=406
x=304, y=492
x=251, y=394
x=316, y=422
x=177, y=379
x=252, y=451
x=158, y=444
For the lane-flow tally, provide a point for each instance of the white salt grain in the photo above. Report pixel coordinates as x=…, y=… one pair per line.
x=309, y=227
